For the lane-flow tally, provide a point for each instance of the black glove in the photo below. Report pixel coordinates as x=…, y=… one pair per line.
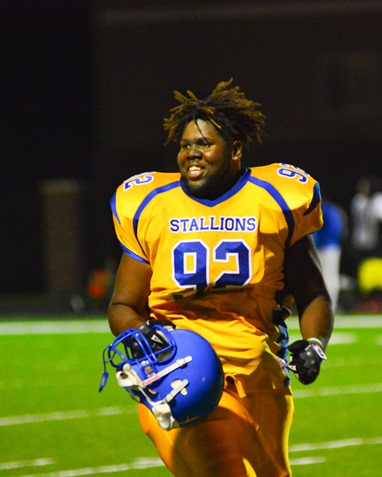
x=306, y=360
x=153, y=335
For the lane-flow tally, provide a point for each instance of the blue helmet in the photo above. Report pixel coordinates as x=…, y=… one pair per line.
x=181, y=383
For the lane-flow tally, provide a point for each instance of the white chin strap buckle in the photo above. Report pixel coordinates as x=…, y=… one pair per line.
x=128, y=378
x=162, y=409
x=163, y=415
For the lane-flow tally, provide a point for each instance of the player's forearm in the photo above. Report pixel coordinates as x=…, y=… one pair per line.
x=122, y=317
x=317, y=320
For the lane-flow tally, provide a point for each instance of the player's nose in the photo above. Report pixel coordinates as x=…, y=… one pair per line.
x=194, y=152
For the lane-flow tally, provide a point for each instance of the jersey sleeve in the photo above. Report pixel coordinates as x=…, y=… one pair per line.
x=130, y=207
x=307, y=212
x=127, y=204
x=124, y=206
x=299, y=197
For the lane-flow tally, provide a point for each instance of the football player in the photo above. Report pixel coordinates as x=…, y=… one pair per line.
x=214, y=249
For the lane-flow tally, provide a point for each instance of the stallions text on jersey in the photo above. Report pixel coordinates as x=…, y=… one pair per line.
x=218, y=264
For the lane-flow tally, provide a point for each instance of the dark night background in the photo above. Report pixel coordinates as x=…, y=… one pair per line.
x=48, y=116
x=87, y=84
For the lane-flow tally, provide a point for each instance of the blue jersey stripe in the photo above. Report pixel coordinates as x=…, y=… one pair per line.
x=113, y=205
x=315, y=200
x=133, y=255
x=283, y=205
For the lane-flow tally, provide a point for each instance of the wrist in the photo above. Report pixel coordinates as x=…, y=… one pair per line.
x=318, y=347
x=314, y=340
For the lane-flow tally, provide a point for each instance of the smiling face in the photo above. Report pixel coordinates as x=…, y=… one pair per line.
x=209, y=166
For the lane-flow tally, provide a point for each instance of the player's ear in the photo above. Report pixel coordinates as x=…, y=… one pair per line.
x=237, y=150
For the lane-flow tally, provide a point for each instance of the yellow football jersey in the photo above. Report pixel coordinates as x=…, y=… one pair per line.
x=218, y=264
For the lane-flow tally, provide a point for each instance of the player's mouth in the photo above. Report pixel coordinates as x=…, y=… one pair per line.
x=194, y=172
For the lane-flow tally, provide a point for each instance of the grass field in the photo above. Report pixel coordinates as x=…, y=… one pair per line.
x=53, y=421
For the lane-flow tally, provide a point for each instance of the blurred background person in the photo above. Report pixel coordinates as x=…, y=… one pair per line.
x=366, y=242
x=366, y=217
x=329, y=241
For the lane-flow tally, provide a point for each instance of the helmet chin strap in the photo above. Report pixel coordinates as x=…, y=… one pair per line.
x=162, y=410
x=163, y=415
x=129, y=379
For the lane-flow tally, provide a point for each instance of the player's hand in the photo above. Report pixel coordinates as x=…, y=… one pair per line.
x=306, y=360
x=154, y=336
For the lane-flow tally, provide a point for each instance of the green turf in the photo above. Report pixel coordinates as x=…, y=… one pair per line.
x=60, y=373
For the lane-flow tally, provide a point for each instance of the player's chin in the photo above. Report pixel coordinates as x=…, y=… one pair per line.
x=198, y=188
x=193, y=182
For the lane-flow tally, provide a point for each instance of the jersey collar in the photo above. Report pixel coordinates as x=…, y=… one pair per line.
x=234, y=190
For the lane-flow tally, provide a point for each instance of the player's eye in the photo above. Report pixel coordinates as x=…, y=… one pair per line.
x=205, y=143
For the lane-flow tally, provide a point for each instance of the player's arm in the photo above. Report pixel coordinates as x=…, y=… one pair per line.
x=128, y=306
x=304, y=278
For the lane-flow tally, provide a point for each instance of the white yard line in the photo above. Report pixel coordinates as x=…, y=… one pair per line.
x=336, y=444
x=101, y=326
x=338, y=391
x=146, y=462
x=307, y=461
x=65, y=415
x=142, y=463
x=337, y=338
x=53, y=327
x=119, y=410
x=26, y=463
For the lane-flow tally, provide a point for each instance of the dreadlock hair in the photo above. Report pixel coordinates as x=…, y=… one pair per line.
x=232, y=114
